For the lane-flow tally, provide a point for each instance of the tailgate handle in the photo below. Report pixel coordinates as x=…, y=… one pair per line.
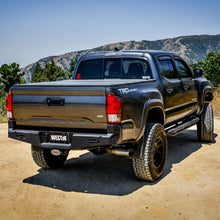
x=55, y=101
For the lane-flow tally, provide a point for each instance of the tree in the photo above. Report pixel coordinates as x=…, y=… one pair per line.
x=10, y=75
x=73, y=64
x=211, y=68
x=53, y=72
x=37, y=74
x=69, y=72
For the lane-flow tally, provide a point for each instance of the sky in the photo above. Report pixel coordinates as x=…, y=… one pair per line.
x=34, y=29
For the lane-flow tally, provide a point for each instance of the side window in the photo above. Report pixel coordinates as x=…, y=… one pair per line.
x=183, y=69
x=167, y=69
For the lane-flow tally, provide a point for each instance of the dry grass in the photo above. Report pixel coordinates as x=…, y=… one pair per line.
x=216, y=103
x=3, y=111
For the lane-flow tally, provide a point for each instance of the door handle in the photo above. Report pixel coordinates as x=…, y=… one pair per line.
x=169, y=91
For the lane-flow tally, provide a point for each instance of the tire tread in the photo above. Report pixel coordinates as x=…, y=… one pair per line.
x=38, y=157
x=141, y=166
x=205, y=126
x=43, y=158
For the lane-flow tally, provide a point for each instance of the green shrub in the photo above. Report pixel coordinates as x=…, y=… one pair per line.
x=3, y=108
x=216, y=103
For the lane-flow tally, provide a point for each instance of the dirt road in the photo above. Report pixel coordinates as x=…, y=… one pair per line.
x=104, y=187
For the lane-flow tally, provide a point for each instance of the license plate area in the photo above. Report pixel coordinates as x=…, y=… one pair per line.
x=58, y=137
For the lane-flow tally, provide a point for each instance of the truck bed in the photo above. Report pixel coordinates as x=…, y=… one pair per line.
x=66, y=104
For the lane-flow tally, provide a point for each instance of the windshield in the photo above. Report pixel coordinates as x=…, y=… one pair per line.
x=114, y=69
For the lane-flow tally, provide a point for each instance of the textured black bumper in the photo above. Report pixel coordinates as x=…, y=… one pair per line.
x=76, y=140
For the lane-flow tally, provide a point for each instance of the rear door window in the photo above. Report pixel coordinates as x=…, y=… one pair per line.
x=183, y=69
x=167, y=69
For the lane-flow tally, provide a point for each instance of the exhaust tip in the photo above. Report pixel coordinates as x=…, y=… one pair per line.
x=120, y=152
x=55, y=152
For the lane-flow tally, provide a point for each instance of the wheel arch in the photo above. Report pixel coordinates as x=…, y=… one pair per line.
x=206, y=97
x=156, y=115
x=153, y=112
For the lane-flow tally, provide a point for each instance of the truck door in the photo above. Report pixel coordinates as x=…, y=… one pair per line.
x=172, y=88
x=190, y=98
x=179, y=89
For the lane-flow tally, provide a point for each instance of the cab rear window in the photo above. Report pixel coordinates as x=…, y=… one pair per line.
x=90, y=69
x=114, y=69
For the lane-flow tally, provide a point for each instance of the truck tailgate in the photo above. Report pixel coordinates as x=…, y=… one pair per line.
x=57, y=105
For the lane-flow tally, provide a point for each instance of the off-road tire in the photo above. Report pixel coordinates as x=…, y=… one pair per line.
x=153, y=159
x=43, y=157
x=205, y=126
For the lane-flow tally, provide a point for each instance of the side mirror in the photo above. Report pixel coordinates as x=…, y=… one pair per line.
x=198, y=72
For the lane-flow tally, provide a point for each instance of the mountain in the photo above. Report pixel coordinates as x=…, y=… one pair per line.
x=192, y=48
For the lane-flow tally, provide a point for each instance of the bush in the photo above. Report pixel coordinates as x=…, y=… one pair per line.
x=211, y=67
x=216, y=103
x=3, y=108
x=10, y=75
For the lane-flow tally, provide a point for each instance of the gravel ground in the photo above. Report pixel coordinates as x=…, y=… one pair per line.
x=105, y=187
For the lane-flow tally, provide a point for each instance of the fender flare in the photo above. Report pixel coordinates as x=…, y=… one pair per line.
x=205, y=91
x=149, y=105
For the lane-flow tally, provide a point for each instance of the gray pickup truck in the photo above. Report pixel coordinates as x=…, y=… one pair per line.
x=120, y=102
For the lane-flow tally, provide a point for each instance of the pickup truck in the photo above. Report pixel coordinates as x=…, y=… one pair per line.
x=120, y=102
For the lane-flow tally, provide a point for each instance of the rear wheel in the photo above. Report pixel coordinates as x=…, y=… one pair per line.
x=153, y=159
x=205, y=126
x=43, y=157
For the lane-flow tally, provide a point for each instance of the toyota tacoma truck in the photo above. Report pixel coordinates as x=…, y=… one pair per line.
x=121, y=102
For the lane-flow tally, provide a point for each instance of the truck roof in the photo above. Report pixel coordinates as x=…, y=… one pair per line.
x=123, y=53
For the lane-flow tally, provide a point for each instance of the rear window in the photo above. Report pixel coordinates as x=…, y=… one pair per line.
x=114, y=69
x=90, y=69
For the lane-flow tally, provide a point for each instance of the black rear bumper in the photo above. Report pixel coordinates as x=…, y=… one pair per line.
x=77, y=140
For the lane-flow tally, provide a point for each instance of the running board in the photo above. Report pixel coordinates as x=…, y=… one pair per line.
x=180, y=127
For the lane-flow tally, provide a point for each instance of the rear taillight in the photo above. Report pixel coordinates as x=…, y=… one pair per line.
x=9, y=107
x=114, y=108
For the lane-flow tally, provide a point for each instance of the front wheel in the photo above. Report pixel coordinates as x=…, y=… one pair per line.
x=153, y=159
x=205, y=126
x=43, y=157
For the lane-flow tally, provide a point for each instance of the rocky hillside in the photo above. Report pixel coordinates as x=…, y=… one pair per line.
x=192, y=48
